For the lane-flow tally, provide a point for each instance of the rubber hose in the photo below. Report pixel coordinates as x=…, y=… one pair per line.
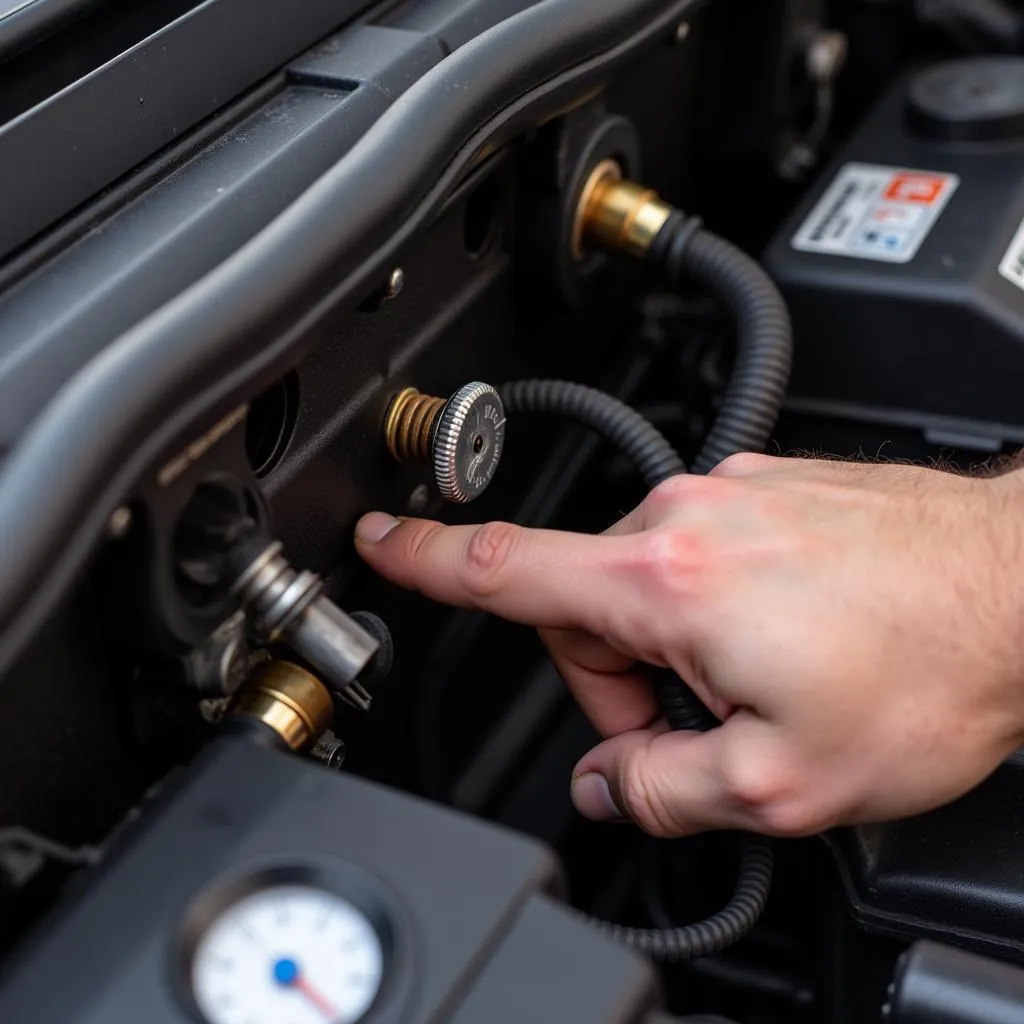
x=656, y=460
x=643, y=444
x=684, y=251
x=721, y=930
x=683, y=709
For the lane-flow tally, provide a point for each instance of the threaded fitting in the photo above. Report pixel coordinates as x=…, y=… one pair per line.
x=288, y=699
x=410, y=424
x=616, y=214
x=460, y=437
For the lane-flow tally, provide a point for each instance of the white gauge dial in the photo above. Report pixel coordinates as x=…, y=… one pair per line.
x=289, y=954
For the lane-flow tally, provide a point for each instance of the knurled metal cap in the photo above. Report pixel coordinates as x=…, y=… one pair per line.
x=468, y=442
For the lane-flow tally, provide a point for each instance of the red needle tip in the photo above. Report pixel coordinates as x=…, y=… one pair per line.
x=314, y=997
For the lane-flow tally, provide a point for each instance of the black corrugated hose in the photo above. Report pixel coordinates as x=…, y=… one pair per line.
x=684, y=250
x=643, y=444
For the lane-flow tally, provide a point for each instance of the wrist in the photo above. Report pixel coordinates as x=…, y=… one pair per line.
x=1005, y=526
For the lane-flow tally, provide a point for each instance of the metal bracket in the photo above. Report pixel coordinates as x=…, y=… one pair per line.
x=23, y=854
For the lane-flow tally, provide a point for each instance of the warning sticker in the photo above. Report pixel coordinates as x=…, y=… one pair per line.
x=876, y=213
x=1012, y=267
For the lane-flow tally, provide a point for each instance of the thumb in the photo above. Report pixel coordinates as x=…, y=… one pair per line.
x=671, y=784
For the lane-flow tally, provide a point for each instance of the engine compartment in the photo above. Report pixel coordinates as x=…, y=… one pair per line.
x=242, y=237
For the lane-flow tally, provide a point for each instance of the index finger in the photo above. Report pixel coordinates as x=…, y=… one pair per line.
x=536, y=577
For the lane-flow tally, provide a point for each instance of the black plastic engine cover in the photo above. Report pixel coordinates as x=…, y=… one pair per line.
x=461, y=907
x=903, y=268
x=953, y=875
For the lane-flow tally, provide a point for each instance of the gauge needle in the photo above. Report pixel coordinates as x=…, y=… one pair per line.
x=315, y=997
x=287, y=973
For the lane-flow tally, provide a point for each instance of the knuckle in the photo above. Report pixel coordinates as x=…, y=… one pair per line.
x=758, y=785
x=671, y=493
x=793, y=819
x=672, y=560
x=489, y=553
x=772, y=797
x=742, y=464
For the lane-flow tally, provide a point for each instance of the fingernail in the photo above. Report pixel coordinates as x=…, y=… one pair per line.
x=373, y=528
x=593, y=798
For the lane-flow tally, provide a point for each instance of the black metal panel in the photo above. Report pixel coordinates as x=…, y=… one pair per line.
x=143, y=100
x=275, y=298
x=196, y=213
x=22, y=23
x=454, y=22
x=951, y=875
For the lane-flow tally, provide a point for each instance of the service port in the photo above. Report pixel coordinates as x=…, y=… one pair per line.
x=616, y=214
x=461, y=437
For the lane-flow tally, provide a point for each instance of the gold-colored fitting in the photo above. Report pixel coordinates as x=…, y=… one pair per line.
x=617, y=214
x=409, y=424
x=294, y=703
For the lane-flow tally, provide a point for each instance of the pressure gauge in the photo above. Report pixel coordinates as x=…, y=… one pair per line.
x=287, y=954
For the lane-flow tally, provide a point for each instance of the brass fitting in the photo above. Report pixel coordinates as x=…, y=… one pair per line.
x=410, y=424
x=617, y=214
x=294, y=703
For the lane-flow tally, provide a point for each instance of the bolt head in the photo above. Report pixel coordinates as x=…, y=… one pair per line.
x=234, y=665
x=120, y=522
x=418, y=500
x=330, y=751
x=396, y=282
x=826, y=55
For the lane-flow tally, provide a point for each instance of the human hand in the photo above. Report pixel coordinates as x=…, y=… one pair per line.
x=858, y=628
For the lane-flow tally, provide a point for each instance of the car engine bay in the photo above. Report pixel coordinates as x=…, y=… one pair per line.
x=266, y=268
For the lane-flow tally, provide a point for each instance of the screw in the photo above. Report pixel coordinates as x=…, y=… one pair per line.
x=396, y=282
x=234, y=665
x=826, y=55
x=682, y=31
x=212, y=709
x=417, y=502
x=120, y=522
x=329, y=751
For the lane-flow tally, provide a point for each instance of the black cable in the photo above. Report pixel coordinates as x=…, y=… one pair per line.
x=721, y=930
x=683, y=710
x=656, y=460
x=644, y=445
x=682, y=251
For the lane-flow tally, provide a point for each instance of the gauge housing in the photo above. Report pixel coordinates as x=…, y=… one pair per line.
x=335, y=878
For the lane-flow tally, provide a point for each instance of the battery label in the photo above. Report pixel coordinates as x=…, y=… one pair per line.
x=1012, y=267
x=876, y=213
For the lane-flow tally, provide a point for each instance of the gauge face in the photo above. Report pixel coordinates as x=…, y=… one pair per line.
x=288, y=954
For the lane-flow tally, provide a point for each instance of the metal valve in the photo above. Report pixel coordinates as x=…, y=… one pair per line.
x=287, y=699
x=284, y=605
x=461, y=437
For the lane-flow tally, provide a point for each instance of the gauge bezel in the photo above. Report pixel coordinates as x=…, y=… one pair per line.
x=344, y=881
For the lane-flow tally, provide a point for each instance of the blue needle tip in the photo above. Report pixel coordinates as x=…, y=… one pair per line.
x=286, y=972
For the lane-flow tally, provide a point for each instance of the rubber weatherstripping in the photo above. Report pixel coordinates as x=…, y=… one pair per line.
x=248, y=317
